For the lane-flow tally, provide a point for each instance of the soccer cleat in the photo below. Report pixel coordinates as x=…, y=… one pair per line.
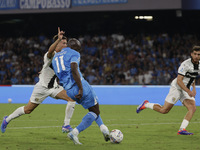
x=106, y=135
x=141, y=107
x=184, y=132
x=74, y=138
x=4, y=124
x=66, y=129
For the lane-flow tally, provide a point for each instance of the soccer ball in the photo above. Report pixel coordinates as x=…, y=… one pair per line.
x=9, y=100
x=116, y=136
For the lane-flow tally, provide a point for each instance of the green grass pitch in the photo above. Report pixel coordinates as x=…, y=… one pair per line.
x=147, y=130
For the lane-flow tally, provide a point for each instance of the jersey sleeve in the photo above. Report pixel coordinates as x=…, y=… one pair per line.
x=183, y=69
x=75, y=58
x=45, y=57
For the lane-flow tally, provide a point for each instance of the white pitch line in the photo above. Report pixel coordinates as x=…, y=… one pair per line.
x=104, y=120
x=40, y=127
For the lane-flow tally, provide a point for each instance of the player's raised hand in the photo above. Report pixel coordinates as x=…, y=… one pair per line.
x=60, y=33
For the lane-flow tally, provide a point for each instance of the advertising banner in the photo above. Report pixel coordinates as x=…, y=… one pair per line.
x=9, y=4
x=96, y=2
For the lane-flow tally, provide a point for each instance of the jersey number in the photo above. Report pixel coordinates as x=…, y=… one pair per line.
x=61, y=63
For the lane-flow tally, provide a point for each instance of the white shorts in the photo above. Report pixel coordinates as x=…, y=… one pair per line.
x=176, y=94
x=40, y=93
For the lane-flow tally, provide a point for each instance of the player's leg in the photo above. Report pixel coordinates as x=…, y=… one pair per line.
x=154, y=106
x=68, y=111
x=85, y=123
x=60, y=93
x=162, y=109
x=89, y=101
x=102, y=126
x=18, y=112
x=171, y=99
x=87, y=119
x=191, y=107
x=38, y=95
x=30, y=107
x=68, y=115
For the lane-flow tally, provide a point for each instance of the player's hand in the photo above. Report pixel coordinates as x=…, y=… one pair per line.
x=60, y=34
x=79, y=95
x=191, y=93
x=194, y=92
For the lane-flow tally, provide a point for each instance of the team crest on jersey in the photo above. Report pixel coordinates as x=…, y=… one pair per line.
x=36, y=99
x=173, y=99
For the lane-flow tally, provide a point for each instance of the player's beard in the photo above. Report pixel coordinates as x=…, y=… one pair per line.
x=195, y=61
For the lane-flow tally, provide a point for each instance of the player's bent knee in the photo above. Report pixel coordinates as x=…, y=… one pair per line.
x=97, y=112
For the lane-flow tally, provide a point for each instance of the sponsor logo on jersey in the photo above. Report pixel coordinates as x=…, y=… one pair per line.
x=181, y=70
x=191, y=74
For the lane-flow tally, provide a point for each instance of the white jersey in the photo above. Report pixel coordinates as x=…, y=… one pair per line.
x=189, y=70
x=47, y=76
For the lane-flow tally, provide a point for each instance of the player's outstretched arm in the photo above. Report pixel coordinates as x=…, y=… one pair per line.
x=76, y=76
x=194, y=88
x=53, y=46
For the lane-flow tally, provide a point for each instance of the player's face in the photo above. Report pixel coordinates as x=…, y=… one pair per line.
x=195, y=56
x=62, y=44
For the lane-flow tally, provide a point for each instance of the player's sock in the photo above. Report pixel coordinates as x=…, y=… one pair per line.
x=105, y=131
x=100, y=124
x=99, y=121
x=86, y=121
x=69, y=112
x=184, y=124
x=18, y=112
x=149, y=105
x=103, y=128
x=75, y=131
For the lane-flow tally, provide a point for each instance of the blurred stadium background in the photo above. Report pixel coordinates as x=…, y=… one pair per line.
x=124, y=42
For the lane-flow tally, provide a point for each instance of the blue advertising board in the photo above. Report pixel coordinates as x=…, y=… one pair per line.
x=44, y=4
x=107, y=95
x=52, y=4
x=9, y=4
x=96, y=2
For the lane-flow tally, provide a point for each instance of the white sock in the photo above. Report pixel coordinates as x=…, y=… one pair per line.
x=69, y=112
x=103, y=128
x=18, y=112
x=149, y=105
x=184, y=124
x=75, y=131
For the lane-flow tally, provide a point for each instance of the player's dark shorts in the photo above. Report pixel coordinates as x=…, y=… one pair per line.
x=89, y=98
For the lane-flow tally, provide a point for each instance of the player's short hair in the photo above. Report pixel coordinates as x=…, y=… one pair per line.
x=196, y=48
x=75, y=44
x=56, y=37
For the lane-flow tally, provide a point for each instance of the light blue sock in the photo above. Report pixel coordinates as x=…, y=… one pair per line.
x=99, y=121
x=86, y=121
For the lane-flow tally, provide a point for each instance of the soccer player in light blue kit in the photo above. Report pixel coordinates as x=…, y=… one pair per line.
x=66, y=67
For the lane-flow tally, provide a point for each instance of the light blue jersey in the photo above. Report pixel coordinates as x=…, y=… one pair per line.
x=62, y=66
